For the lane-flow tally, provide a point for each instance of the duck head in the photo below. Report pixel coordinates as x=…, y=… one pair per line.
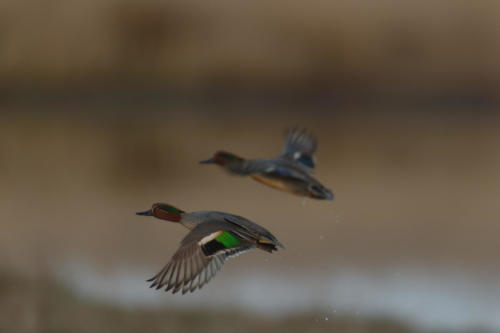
x=164, y=211
x=222, y=158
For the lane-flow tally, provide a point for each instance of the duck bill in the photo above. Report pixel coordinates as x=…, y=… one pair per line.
x=208, y=161
x=146, y=213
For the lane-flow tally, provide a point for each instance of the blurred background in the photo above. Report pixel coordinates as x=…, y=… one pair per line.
x=106, y=106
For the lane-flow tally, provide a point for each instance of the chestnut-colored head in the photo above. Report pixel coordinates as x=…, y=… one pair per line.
x=164, y=212
x=222, y=158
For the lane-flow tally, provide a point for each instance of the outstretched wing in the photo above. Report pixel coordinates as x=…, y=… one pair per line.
x=201, y=255
x=300, y=146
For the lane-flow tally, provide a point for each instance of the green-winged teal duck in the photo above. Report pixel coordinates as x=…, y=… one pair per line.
x=288, y=172
x=214, y=237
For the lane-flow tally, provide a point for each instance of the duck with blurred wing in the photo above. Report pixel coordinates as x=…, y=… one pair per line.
x=290, y=172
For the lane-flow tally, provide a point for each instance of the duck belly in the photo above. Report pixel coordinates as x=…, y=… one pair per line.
x=283, y=184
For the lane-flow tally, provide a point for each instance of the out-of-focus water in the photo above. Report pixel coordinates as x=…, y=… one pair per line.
x=428, y=300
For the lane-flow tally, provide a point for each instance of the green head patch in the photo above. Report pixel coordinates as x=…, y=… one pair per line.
x=170, y=208
x=225, y=156
x=229, y=156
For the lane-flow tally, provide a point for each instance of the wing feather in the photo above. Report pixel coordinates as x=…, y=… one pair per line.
x=300, y=146
x=168, y=282
x=185, y=286
x=166, y=270
x=190, y=268
x=192, y=284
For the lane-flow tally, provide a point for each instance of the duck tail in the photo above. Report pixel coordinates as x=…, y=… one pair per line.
x=321, y=192
x=268, y=244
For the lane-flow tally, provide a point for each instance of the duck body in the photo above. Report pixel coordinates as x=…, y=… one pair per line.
x=281, y=174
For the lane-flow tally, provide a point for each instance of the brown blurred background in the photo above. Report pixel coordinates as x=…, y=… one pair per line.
x=106, y=107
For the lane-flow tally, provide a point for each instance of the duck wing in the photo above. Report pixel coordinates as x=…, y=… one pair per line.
x=201, y=255
x=300, y=146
